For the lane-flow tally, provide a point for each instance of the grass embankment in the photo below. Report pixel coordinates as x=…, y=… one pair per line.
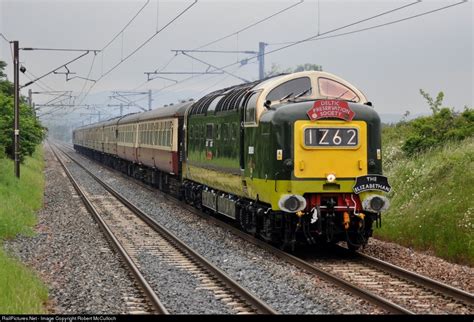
x=432, y=201
x=20, y=290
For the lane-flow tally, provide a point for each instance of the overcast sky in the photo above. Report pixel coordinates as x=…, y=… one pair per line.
x=389, y=64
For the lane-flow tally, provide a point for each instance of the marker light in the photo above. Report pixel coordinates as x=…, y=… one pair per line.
x=331, y=178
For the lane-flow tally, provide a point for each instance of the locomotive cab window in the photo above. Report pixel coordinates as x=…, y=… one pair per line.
x=251, y=108
x=332, y=89
x=296, y=87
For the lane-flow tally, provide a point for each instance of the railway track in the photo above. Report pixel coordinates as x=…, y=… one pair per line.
x=133, y=233
x=388, y=286
x=412, y=291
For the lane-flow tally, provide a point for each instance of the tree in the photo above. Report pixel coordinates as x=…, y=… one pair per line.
x=2, y=68
x=434, y=105
x=275, y=69
x=308, y=66
x=31, y=130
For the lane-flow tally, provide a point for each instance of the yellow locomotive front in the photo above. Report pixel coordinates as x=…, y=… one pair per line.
x=291, y=158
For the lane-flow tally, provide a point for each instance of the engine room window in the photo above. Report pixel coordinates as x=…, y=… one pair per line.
x=251, y=107
x=209, y=134
x=225, y=132
x=333, y=89
x=234, y=131
x=299, y=86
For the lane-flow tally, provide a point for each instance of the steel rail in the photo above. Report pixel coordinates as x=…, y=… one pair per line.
x=245, y=294
x=427, y=282
x=147, y=289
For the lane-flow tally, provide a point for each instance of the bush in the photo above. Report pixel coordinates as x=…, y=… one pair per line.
x=444, y=125
x=31, y=131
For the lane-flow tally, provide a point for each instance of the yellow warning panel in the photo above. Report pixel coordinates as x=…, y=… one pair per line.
x=330, y=147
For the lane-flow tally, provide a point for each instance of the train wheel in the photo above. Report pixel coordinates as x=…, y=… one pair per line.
x=353, y=247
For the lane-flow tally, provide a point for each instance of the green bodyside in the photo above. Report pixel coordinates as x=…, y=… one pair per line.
x=263, y=176
x=224, y=154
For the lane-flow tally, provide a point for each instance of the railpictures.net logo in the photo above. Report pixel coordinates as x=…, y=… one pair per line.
x=14, y=318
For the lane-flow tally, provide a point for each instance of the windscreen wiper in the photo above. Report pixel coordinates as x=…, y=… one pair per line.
x=285, y=97
x=342, y=94
x=302, y=93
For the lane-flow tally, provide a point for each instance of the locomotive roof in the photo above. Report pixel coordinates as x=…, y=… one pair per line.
x=233, y=97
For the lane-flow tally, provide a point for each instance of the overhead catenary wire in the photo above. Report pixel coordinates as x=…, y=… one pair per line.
x=148, y=40
x=251, y=25
x=9, y=44
x=41, y=84
x=126, y=25
x=50, y=72
x=88, y=75
x=318, y=36
x=139, y=47
x=4, y=37
x=307, y=39
x=375, y=26
x=230, y=35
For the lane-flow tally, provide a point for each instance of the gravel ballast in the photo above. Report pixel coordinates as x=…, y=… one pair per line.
x=176, y=287
x=459, y=276
x=70, y=254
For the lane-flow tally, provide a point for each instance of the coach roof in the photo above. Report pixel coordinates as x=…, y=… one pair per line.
x=176, y=110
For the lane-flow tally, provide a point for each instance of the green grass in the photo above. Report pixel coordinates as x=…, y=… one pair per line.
x=20, y=290
x=432, y=201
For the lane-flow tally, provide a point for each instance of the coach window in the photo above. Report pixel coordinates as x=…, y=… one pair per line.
x=168, y=134
x=298, y=86
x=148, y=133
x=332, y=89
x=251, y=108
